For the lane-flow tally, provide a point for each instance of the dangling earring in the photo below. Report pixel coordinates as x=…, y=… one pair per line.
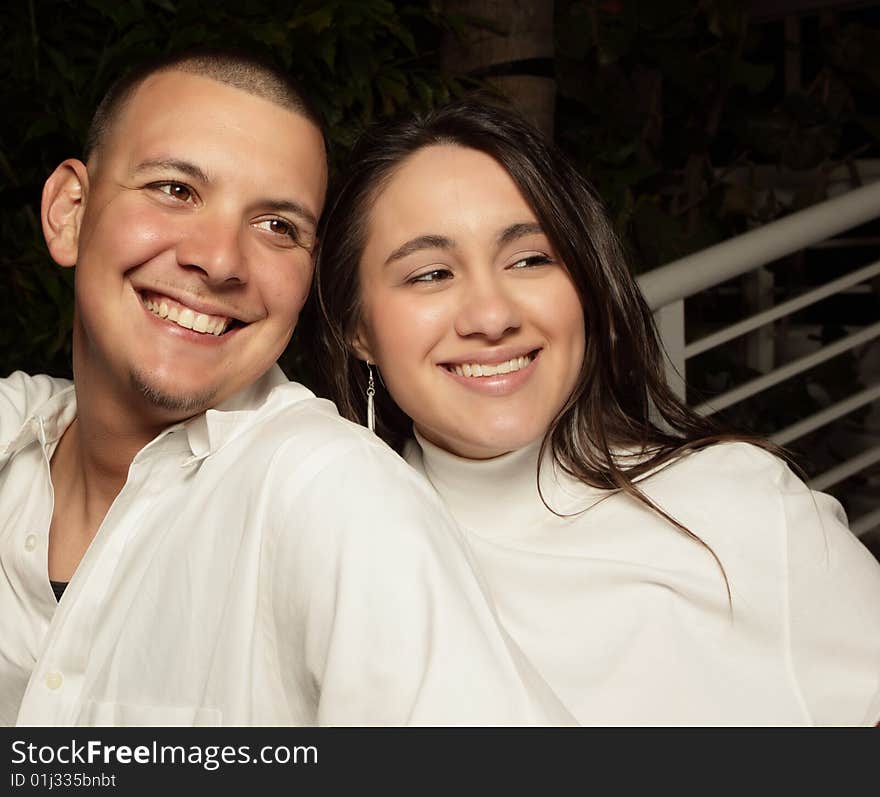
x=371, y=391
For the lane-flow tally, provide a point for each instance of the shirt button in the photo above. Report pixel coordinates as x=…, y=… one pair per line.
x=30, y=542
x=54, y=680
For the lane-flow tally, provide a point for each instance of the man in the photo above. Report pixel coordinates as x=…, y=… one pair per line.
x=236, y=553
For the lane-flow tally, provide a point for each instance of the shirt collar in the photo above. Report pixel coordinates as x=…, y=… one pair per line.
x=205, y=433
x=46, y=423
x=211, y=430
x=490, y=496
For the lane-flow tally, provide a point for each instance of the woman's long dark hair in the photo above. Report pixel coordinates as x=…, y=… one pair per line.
x=621, y=399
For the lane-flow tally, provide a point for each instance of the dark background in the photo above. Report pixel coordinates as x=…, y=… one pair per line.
x=660, y=104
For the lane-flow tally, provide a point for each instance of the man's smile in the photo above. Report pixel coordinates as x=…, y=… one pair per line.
x=185, y=316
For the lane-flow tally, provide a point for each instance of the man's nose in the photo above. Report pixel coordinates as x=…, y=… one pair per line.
x=488, y=309
x=213, y=245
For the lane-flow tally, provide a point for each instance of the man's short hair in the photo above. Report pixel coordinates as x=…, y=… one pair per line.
x=239, y=69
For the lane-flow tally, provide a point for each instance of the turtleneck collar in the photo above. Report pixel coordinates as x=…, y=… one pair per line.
x=495, y=497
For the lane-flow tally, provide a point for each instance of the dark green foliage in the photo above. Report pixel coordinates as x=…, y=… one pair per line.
x=359, y=58
x=678, y=111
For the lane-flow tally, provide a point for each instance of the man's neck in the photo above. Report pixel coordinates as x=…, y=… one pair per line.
x=89, y=468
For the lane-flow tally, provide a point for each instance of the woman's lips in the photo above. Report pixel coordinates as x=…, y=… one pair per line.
x=497, y=383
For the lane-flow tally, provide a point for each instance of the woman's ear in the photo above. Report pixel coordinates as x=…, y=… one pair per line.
x=361, y=346
x=63, y=204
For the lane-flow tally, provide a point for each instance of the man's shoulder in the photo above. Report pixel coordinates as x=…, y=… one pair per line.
x=294, y=424
x=350, y=495
x=21, y=394
x=315, y=425
x=311, y=443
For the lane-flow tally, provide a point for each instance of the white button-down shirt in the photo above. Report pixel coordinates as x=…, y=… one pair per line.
x=265, y=563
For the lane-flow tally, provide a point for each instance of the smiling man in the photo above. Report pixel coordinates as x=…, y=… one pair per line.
x=186, y=537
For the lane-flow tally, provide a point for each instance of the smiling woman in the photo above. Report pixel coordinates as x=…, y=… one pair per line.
x=477, y=320
x=654, y=570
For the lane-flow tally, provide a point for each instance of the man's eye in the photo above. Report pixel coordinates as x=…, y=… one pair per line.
x=178, y=191
x=435, y=275
x=280, y=227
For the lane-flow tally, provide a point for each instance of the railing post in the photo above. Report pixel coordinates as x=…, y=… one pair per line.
x=760, y=344
x=670, y=326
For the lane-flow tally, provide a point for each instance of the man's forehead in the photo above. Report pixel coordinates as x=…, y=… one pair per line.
x=218, y=132
x=176, y=114
x=175, y=92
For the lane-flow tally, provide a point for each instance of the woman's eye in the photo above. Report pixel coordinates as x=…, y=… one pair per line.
x=435, y=275
x=530, y=261
x=178, y=191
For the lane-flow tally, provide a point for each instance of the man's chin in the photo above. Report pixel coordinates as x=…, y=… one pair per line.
x=176, y=404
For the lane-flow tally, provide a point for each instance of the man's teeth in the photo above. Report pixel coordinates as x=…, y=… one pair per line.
x=198, y=322
x=508, y=367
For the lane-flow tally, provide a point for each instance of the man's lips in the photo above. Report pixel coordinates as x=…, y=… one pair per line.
x=186, y=316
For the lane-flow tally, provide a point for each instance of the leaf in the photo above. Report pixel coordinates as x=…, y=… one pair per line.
x=393, y=89
x=166, y=5
x=318, y=21
x=41, y=126
x=326, y=47
x=423, y=90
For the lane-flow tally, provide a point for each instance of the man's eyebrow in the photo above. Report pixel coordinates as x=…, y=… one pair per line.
x=184, y=167
x=417, y=244
x=515, y=231
x=191, y=170
x=288, y=206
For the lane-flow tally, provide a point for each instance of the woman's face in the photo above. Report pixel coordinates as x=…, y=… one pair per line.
x=474, y=324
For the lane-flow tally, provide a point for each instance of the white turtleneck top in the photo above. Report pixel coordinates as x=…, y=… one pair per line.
x=628, y=619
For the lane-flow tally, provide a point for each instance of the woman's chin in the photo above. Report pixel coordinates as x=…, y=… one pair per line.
x=483, y=443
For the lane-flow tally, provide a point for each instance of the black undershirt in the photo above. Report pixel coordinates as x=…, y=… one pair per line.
x=58, y=588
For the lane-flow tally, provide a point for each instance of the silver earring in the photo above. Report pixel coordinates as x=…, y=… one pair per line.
x=371, y=391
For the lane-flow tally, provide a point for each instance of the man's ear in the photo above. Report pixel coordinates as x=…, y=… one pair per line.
x=64, y=201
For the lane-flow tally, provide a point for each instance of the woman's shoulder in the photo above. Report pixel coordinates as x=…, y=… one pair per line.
x=738, y=458
x=723, y=469
x=739, y=484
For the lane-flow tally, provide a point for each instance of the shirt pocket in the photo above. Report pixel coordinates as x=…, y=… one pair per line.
x=103, y=713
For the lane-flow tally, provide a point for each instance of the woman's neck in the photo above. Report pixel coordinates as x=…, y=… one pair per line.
x=493, y=496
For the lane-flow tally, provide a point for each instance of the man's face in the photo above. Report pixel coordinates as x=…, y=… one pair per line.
x=194, y=252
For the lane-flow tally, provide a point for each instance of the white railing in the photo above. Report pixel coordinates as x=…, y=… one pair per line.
x=667, y=287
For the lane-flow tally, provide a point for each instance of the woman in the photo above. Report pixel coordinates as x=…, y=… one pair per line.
x=654, y=571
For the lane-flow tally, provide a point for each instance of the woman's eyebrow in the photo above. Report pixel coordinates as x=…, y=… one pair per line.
x=515, y=231
x=417, y=244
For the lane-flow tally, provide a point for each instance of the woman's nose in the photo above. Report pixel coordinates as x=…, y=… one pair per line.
x=488, y=310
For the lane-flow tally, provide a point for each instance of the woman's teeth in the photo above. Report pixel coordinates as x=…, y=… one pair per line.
x=476, y=369
x=189, y=319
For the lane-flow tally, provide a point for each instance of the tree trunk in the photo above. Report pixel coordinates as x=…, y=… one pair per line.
x=515, y=55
